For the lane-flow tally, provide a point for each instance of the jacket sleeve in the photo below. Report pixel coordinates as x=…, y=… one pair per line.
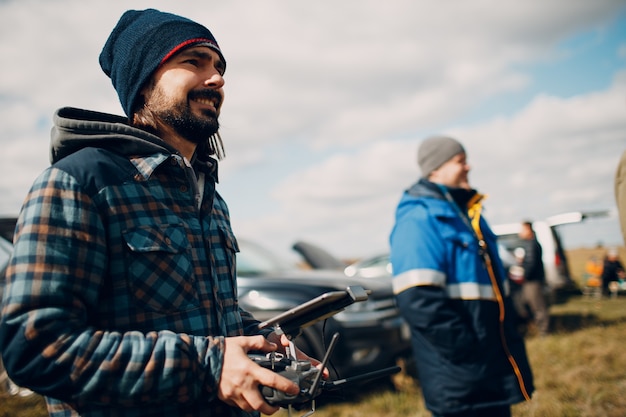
x=251, y=325
x=47, y=338
x=419, y=257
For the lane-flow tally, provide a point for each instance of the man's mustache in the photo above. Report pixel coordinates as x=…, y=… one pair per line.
x=207, y=94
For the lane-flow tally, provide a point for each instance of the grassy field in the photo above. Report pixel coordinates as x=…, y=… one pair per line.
x=579, y=369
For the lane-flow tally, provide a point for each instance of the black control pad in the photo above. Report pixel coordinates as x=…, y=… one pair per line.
x=300, y=372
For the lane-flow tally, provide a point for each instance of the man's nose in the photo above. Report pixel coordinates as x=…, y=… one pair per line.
x=214, y=80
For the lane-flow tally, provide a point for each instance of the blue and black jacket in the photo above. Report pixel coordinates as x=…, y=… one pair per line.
x=452, y=290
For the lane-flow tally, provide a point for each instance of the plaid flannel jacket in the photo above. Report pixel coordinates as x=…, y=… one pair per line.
x=121, y=289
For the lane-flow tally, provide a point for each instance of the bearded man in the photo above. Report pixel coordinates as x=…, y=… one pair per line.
x=121, y=291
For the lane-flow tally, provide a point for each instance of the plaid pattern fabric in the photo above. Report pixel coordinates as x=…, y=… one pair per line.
x=116, y=280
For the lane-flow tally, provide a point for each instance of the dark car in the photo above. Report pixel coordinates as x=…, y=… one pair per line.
x=372, y=334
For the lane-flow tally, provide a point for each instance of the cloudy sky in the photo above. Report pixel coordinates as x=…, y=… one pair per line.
x=327, y=101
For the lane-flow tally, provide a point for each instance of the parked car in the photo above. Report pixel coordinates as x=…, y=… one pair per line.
x=371, y=267
x=372, y=334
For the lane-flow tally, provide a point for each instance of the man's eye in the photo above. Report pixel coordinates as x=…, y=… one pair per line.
x=193, y=62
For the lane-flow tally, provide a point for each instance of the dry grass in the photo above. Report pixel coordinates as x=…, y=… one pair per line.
x=580, y=370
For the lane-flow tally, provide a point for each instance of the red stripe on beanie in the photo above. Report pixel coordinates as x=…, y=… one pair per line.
x=187, y=43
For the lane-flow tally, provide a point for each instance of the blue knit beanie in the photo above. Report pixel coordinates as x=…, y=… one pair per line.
x=140, y=42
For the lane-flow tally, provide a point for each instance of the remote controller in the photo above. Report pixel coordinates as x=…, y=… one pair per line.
x=299, y=372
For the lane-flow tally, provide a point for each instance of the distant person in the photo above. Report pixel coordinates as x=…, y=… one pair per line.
x=593, y=269
x=534, y=281
x=620, y=193
x=593, y=275
x=612, y=270
x=516, y=280
x=453, y=292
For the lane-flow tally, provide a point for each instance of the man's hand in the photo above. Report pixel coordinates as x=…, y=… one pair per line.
x=241, y=377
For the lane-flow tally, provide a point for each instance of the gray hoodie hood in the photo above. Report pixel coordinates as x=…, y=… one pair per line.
x=75, y=129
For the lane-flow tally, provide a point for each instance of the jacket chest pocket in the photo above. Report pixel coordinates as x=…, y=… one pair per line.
x=463, y=251
x=160, y=270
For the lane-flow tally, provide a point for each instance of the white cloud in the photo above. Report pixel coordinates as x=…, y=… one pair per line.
x=555, y=155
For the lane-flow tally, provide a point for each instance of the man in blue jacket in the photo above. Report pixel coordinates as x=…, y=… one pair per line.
x=121, y=295
x=452, y=290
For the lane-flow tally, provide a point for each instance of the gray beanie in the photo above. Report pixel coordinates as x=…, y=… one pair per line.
x=435, y=151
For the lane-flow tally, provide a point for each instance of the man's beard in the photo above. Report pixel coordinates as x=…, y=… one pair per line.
x=196, y=129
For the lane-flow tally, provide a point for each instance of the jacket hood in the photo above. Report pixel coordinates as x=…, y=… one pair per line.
x=425, y=188
x=75, y=129
x=428, y=189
